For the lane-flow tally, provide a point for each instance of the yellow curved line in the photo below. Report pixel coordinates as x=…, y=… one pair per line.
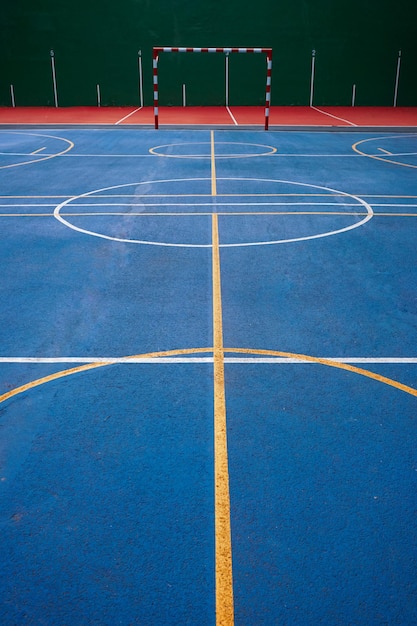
x=90, y=366
x=149, y=355
x=378, y=158
x=51, y=156
x=329, y=363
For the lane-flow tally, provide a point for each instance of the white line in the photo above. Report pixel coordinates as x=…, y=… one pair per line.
x=113, y=360
x=209, y=213
x=238, y=360
x=205, y=156
x=219, y=195
x=24, y=154
x=232, y=116
x=334, y=116
x=191, y=204
x=368, y=208
x=126, y=116
x=397, y=154
x=283, y=360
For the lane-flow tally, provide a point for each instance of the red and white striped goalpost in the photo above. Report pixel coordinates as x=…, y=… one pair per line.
x=267, y=51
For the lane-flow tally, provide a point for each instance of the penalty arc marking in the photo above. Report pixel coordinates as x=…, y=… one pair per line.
x=189, y=351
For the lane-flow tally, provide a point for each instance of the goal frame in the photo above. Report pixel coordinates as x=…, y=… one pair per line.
x=157, y=50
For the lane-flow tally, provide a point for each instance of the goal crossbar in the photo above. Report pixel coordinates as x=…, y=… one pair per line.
x=159, y=49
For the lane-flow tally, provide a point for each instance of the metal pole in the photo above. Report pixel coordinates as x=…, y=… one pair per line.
x=184, y=101
x=54, y=77
x=12, y=95
x=313, y=69
x=353, y=95
x=98, y=96
x=397, y=78
x=140, y=78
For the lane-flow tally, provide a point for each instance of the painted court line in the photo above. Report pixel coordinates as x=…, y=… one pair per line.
x=267, y=354
x=190, y=359
x=223, y=541
x=219, y=195
x=341, y=119
x=188, y=156
x=128, y=115
x=232, y=116
x=207, y=214
x=213, y=165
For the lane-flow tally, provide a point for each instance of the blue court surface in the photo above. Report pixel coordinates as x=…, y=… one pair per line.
x=208, y=377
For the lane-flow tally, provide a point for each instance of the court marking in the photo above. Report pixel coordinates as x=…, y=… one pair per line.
x=343, y=364
x=271, y=150
x=44, y=157
x=218, y=359
x=148, y=156
x=214, y=180
x=213, y=165
x=223, y=540
x=341, y=119
x=127, y=116
x=380, y=158
x=277, y=360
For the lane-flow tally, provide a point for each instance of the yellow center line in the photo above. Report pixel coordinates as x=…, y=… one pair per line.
x=223, y=542
x=213, y=166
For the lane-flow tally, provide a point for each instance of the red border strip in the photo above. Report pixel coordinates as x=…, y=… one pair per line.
x=159, y=49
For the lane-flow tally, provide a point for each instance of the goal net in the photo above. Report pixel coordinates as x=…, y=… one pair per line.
x=226, y=51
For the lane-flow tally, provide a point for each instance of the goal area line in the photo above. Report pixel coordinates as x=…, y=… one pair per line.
x=156, y=51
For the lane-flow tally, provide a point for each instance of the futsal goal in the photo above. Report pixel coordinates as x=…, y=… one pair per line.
x=226, y=51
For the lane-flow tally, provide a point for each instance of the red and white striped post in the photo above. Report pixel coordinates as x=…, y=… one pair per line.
x=155, y=85
x=157, y=50
x=268, y=88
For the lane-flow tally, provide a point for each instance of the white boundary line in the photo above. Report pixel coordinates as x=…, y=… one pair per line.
x=341, y=119
x=128, y=115
x=172, y=360
x=232, y=116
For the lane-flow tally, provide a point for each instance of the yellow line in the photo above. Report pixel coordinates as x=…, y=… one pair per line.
x=379, y=158
x=90, y=366
x=186, y=351
x=330, y=363
x=223, y=550
x=213, y=166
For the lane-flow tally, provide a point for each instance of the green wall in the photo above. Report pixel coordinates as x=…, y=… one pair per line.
x=357, y=42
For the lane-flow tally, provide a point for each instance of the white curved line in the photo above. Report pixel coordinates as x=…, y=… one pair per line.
x=59, y=217
x=208, y=156
x=44, y=158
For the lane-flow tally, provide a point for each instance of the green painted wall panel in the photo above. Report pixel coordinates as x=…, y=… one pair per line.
x=357, y=42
